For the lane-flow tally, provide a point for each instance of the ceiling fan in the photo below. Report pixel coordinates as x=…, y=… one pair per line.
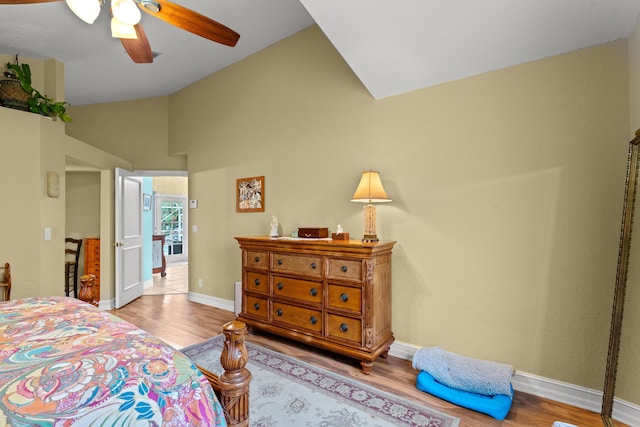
x=125, y=22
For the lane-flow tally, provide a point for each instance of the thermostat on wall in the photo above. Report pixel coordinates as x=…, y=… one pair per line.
x=193, y=204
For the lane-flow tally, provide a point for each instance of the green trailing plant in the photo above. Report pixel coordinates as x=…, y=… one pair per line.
x=38, y=103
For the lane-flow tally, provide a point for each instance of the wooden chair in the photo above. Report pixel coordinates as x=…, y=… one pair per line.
x=71, y=250
x=5, y=281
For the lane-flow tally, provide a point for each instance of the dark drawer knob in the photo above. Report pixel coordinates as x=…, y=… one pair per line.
x=279, y=312
x=257, y=259
x=256, y=306
x=313, y=266
x=313, y=320
x=344, y=327
x=314, y=292
x=344, y=269
x=280, y=286
x=279, y=262
x=256, y=282
x=344, y=297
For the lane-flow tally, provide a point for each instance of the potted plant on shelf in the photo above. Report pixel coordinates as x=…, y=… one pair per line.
x=36, y=102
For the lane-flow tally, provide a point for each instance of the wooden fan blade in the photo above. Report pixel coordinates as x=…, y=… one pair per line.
x=138, y=49
x=25, y=1
x=193, y=22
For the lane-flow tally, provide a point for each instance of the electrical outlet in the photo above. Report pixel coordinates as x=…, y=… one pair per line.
x=199, y=283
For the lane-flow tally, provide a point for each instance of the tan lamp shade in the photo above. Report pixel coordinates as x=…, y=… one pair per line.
x=370, y=189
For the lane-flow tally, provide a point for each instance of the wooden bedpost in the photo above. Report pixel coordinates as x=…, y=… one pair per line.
x=232, y=386
x=86, y=289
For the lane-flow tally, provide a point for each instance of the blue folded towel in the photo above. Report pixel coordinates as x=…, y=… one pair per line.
x=465, y=373
x=497, y=406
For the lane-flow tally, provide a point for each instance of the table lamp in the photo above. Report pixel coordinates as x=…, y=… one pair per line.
x=369, y=191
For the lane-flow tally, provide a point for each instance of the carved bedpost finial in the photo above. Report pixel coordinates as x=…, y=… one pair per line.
x=86, y=289
x=234, y=382
x=234, y=355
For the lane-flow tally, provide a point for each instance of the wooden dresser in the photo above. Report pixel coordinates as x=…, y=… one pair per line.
x=92, y=263
x=335, y=295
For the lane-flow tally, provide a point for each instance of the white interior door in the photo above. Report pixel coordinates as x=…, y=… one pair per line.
x=128, y=217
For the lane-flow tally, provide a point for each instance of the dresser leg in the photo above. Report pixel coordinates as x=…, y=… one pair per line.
x=385, y=353
x=366, y=367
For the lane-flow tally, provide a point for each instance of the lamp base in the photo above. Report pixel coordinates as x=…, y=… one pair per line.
x=370, y=238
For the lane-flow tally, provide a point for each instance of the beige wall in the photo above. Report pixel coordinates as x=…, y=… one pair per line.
x=171, y=185
x=82, y=204
x=21, y=186
x=31, y=146
x=82, y=207
x=134, y=130
x=506, y=188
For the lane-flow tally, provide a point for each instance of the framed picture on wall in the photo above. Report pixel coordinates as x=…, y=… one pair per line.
x=250, y=194
x=146, y=202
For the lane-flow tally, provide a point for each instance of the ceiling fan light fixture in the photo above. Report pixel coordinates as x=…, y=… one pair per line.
x=87, y=10
x=121, y=30
x=126, y=11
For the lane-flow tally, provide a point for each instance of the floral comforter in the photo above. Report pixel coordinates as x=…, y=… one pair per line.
x=64, y=362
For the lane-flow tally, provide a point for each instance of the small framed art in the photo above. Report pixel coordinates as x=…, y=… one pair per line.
x=146, y=202
x=250, y=194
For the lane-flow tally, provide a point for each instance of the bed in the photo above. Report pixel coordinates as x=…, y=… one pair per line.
x=64, y=362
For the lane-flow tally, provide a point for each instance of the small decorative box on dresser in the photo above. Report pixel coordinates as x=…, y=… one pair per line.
x=332, y=294
x=92, y=263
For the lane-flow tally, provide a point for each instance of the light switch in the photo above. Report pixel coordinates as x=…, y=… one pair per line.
x=193, y=203
x=194, y=228
x=47, y=233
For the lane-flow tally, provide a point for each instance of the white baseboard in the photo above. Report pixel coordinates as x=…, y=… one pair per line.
x=626, y=412
x=211, y=301
x=107, y=304
x=559, y=391
x=580, y=397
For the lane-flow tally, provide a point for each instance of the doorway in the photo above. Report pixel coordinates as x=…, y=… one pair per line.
x=170, y=220
x=167, y=215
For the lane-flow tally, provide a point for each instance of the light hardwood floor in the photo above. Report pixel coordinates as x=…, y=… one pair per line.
x=176, y=281
x=180, y=323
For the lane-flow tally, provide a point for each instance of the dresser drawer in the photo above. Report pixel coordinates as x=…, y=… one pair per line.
x=256, y=307
x=301, y=264
x=258, y=259
x=345, y=269
x=297, y=317
x=345, y=298
x=257, y=282
x=345, y=328
x=303, y=290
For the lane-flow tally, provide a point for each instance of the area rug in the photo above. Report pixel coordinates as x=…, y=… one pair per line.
x=289, y=392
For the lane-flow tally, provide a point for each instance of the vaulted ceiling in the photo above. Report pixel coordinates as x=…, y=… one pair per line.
x=393, y=46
